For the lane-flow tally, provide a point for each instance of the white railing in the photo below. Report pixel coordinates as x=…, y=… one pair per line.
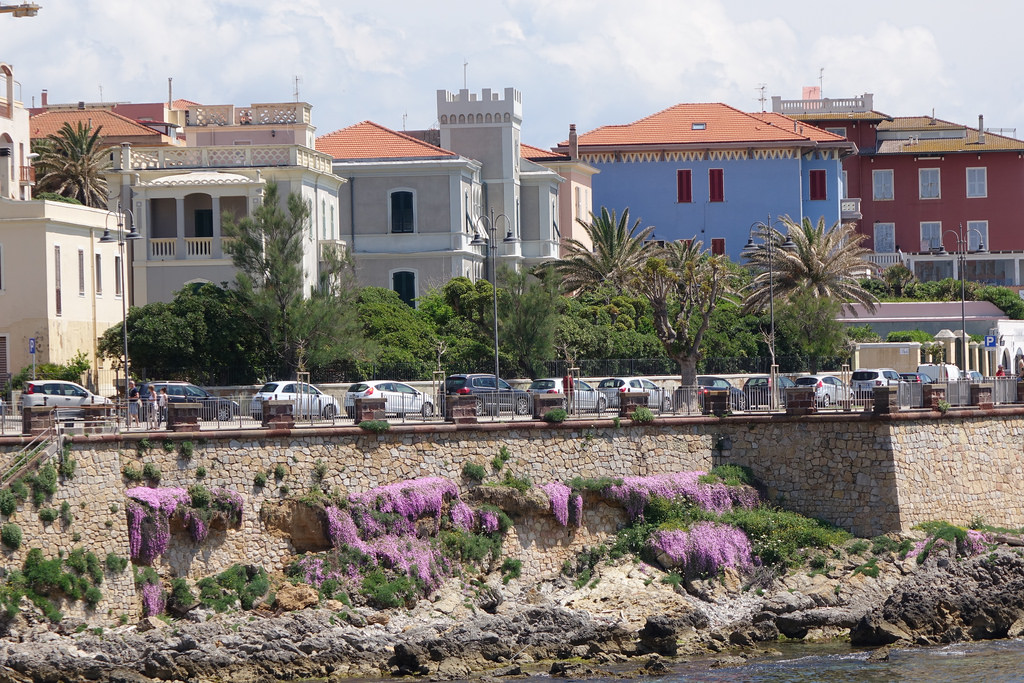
x=229, y=156
x=162, y=247
x=258, y=114
x=885, y=260
x=861, y=103
x=198, y=247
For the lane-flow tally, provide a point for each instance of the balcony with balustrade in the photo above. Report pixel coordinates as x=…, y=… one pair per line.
x=226, y=156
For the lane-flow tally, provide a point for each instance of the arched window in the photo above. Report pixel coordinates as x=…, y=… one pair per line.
x=402, y=213
x=404, y=282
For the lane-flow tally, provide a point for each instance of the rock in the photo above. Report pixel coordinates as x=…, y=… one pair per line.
x=531, y=502
x=295, y=597
x=662, y=632
x=1016, y=628
x=149, y=624
x=513, y=670
x=489, y=599
x=879, y=655
x=304, y=525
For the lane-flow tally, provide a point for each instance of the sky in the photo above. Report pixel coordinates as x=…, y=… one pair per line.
x=588, y=62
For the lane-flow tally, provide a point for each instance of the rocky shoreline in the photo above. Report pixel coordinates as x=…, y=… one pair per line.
x=625, y=621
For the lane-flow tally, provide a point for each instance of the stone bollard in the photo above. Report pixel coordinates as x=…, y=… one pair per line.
x=542, y=403
x=716, y=402
x=629, y=401
x=933, y=395
x=885, y=400
x=278, y=415
x=183, y=417
x=369, y=409
x=981, y=396
x=801, y=401
x=460, y=408
x=36, y=419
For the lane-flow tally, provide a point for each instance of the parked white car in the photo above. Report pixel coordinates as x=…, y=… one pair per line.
x=864, y=381
x=309, y=401
x=939, y=372
x=400, y=399
x=613, y=386
x=59, y=394
x=585, y=396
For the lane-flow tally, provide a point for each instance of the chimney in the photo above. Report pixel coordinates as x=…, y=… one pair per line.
x=43, y=98
x=170, y=96
x=574, y=145
x=981, y=129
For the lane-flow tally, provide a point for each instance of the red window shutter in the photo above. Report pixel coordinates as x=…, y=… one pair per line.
x=716, y=185
x=684, y=187
x=717, y=246
x=819, y=184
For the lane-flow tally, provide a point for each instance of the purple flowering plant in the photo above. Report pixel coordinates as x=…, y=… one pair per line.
x=704, y=549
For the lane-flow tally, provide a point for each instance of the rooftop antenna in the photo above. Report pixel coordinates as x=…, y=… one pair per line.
x=761, y=98
x=297, y=79
x=101, y=92
x=405, y=117
x=465, y=71
x=821, y=81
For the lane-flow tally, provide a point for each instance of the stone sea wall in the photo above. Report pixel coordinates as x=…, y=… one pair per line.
x=869, y=475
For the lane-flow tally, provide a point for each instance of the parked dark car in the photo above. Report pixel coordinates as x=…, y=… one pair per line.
x=758, y=389
x=914, y=377
x=213, y=407
x=737, y=399
x=490, y=398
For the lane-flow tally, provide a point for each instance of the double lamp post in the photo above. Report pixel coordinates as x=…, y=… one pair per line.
x=487, y=237
x=122, y=240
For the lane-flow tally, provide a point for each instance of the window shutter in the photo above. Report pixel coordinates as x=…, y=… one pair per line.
x=716, y=185
x=684, y=187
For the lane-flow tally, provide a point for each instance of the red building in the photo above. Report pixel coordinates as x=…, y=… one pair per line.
x=931, y=193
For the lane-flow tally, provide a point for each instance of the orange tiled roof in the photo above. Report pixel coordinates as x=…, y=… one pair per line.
x=722, y=124
x=368, y=140
x=183, y=104
x=969, y=142
x=537, y=154
x=114, y=125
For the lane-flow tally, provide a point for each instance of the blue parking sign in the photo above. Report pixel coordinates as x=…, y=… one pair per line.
x=990, y=341
x=32, y=345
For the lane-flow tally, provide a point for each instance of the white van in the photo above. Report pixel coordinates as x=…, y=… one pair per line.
x=940, y=372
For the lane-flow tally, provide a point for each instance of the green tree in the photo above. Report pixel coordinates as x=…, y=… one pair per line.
x=205, y=335
x=619, y=250
x=397, y=332
x=267, y=249
x=527, y=320
x=897, y=277
x=807, y=325
x=684, y=286
x=71, y=163
x=824, y=262
x=70, y=371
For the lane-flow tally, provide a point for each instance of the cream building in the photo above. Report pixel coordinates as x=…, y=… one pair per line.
x=58, y=284
x=16, y=172
x=178, y=196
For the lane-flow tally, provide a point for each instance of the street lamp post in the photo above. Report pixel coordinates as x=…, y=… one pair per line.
x=122, y=240
x=491, y=243
x=768, y=234
x=963, y=238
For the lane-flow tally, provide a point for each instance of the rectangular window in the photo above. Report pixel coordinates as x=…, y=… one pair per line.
x=885, y=238
x=931, y=236
x=204, y=222
x=846, y=192
x=881, y=185
x=717, y=246
x=716, y=185
x=837, y=131
x=118, y=277
x=977, y=182
x=401, y=212
x=57, y=279
x=99, y=275
x=977, y=235
x=819, y=184
x=81, y=272
x=684, y=186
x=928, y=183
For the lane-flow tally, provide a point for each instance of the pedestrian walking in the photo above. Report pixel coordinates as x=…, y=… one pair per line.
x=1000, y=372
x=161, y=401
x=152, y=412
x=133, y=405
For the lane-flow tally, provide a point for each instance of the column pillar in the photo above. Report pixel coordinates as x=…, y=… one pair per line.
x=179, y=219
x=975, y=363
x=216, y=251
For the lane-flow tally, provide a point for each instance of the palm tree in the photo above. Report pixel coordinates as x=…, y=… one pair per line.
x=71, y=163
x=619, y=250
x=825, y=261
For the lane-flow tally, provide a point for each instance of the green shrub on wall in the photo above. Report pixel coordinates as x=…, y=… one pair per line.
x=10, y=535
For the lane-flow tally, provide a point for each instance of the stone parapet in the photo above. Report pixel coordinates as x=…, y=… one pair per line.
x=981, y=396
x=629, y=401
x=369, y=409
x=542, y=403
x=933, y=395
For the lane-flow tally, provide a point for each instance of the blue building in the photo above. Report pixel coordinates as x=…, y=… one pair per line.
x=710, y=171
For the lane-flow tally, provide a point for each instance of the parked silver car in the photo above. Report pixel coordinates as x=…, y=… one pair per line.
x=828, y=389
x=864, y=381
x=613, y=386
x=585, y=396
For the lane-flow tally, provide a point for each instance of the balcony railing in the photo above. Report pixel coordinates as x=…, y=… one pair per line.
x=167, y=247
x=825, y=105
x=885, y=260
x=228, y=156
x=198, y=247
x=160, y=247
x=28, y=175
x=265, y=114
